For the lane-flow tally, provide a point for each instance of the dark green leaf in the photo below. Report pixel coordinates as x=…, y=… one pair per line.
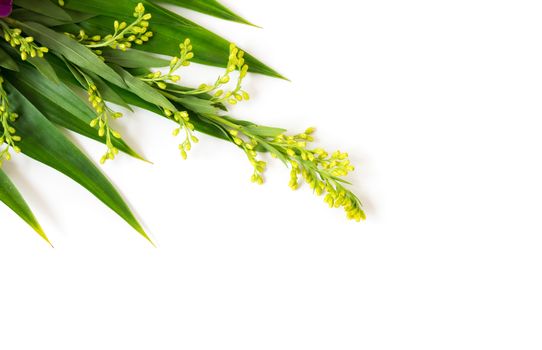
x=30, y=16
x=44, y=143
x=61, y=105
x=170, y=30
x=107, y=93
x=44, y=67
x=44, y=7
x=209, y=7
x=7, y=62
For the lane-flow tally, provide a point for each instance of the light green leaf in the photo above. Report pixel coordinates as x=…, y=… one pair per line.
x=144, y=90
x=71, y=50
x=133, y=58
x=15, y=201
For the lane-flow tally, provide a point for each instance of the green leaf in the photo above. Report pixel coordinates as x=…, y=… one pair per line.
x=134, y=59
x=44, y=7
x=144, y=90
x=198, y=105
x=44, y=67
x=170, y=30
x=71, y=50
x=265, y=131
x=200, y=124
x=7, y=62
x=15, y=201
x=30, y=16
x=61, y=106
x=75, y=74
x=209, y=7
x=44, y=143
x=108, y=93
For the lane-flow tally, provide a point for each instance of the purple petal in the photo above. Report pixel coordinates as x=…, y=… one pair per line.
x=5, y=7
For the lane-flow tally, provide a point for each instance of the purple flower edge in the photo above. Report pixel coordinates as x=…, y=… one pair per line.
x=5, y=7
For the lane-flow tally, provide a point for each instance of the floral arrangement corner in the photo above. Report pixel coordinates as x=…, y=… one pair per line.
x=54, y=52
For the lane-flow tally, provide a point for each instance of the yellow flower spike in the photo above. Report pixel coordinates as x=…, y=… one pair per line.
x=8, y=138
x=103, y=119
x=124, y=34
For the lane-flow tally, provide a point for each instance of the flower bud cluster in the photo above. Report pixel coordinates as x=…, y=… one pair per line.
x=8, y=138
x=183, y=119
x=249, y=148
x=322, y=171
x=159, y=79
x=124, y=36
x=103, y=121
x=236, y=62
x=27, y=46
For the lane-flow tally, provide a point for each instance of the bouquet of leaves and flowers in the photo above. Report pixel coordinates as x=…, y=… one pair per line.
x=68, y=63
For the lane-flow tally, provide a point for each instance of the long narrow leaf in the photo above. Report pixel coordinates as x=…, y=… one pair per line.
x=15, y=201
x=169, y=28
x=209, y=7
x=44, y=143
x=61, y=105
x=71, y=50
x=31, y=16
x=48, y=8
x=6, y=61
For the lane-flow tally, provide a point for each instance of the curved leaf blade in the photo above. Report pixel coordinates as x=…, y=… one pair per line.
x=61, y=105
x=170, y=30
x=15, y=201
x=45, y=7
x=46, y=144
x=208, y=7
x=71, y=50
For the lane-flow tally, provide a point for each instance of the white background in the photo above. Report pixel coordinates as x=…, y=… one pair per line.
x=438, y=102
